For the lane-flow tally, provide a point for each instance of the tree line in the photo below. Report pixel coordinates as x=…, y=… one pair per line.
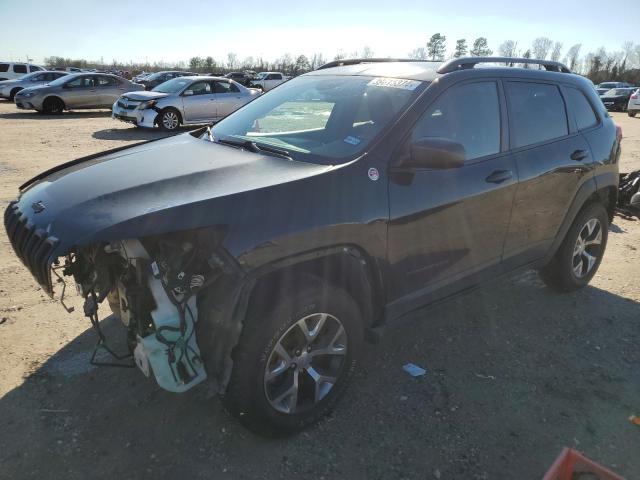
x=599, y=65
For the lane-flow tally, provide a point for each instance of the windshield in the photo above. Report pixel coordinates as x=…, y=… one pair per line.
x=608, y=85
x=172, y=86
x=324, y=119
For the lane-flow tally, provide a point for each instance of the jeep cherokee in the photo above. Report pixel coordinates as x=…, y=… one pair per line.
x=260, y=253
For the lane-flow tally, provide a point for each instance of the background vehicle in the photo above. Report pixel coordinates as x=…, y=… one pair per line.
x=13, y=70
x=265, y=81
x=323, y=211
x=604, y=87
x=155, y=79
x=617, y=98
x=183, y=101
x=633, y=107
x=9, y=88
x=75, y=91
x=241, y=77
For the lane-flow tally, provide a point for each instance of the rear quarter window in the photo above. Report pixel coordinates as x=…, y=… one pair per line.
x=581, y=108
x=537, y=113
x=20, y=69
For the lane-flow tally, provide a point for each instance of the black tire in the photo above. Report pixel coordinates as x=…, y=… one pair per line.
x=53, y=105
x=560, y=273
x=13, y=92
x=163, y=120
x=631, y=113
x=270, y=320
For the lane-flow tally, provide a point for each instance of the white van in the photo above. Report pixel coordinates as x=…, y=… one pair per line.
x=11, y=70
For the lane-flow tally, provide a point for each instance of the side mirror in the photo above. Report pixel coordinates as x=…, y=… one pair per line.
x=434, y=152
x=187, y=93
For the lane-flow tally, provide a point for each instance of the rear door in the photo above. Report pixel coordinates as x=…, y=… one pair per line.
x=200, y=106
x=553, y=161
x=448, y=224
x=228, y=98
x=109, y=90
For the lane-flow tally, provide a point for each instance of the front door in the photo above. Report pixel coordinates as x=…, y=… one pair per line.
x=80, y=92
x=446, y=224
x=199, y=102
x=228, y=98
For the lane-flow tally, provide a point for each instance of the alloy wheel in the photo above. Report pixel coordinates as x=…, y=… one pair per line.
x=170, y=120
x=305, y=363
x=587, y=248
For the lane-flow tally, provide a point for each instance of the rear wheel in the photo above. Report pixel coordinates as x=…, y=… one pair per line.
x=13, y=92
x=53, y=105
x=295, y=357
x=632, y=113
x=169, y=119
x=580, y=254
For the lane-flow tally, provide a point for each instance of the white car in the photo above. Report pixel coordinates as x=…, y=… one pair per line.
x=634, y=103
x=265, y=81
x=190, y=100
x=13, y=70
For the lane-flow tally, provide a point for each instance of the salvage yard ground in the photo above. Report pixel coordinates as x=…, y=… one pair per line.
x=514, y=371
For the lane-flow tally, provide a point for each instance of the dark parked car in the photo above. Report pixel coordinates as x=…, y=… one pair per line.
x=241, y=77
x=157, y=78
x=617, y=98
x=263, y=251
x=604, y=87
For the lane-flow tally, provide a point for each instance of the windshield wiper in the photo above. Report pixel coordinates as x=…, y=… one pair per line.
x=257, y=148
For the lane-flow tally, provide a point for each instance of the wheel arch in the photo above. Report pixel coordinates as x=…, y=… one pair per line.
x=227, y=302
x=161, y=111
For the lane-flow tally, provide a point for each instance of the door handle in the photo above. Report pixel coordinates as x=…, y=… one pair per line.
x=499, y=176
x=579, y=155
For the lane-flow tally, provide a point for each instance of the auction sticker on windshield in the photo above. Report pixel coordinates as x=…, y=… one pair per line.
x=394, y=83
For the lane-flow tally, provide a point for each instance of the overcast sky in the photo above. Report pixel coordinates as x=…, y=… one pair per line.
x=172, y=31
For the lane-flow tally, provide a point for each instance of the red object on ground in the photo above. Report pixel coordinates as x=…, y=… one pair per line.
x=571, y=462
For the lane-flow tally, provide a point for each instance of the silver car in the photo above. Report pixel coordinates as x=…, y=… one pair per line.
x=9, y=88
x=75, y=91
x=183, y=101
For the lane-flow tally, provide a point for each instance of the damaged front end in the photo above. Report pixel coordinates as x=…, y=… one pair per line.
x=152, y=285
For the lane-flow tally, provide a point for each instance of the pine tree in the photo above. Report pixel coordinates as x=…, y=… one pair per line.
x=461, y=48
x=481, y=48
x=436, y=47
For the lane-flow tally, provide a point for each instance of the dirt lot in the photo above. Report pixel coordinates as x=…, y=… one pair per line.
x=515, y=372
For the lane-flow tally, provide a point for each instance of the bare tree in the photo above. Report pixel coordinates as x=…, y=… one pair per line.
x=555, y=53
x=418, y=54
x=571, y=59
x=317, y=60
x=508, y=48
x=541, y=47
x=232, y=60
x=367, y=52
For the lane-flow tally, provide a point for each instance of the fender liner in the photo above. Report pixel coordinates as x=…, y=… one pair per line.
x=225, y=304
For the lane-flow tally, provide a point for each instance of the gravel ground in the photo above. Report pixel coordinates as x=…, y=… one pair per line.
x=514, y=371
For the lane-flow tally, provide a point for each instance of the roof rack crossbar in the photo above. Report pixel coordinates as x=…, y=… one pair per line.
x=357, y=61
x=470, y=62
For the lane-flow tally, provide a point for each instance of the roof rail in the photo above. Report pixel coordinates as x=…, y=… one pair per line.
x=470, y=62
x=356, y=61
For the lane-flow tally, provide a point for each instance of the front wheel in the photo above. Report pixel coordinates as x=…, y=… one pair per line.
x=294, y=358
x=169, y=120
x=53, y=105
x=581, y=252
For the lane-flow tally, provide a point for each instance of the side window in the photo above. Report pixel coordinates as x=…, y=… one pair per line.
x=34, y=68
x=80, y=82
x=581, y=108
x=54, y=76
x=468, y=114
x=275, y=76
x=537, y=112
x=222, y=87
x=17, y=68
x=107, y=82
x=233, y=88
x=200, y=88
x=41, y=78
x=4, y=67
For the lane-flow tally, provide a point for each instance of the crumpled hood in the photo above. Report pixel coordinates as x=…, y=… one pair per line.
x=144, y=95
x=156, y=187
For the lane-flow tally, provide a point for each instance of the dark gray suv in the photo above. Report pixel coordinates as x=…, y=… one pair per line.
x=260, y=253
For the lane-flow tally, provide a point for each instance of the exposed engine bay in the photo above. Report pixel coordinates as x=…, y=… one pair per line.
x=152, y=285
